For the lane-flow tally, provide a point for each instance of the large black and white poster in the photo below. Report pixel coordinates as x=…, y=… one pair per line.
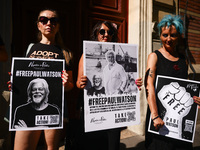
x=176, y=107
x=111, y=97
x=37, y=94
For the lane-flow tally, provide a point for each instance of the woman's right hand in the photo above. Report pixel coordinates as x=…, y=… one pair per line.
x=82, y=82
x=139, y=82
x=158, y=123
x=197, y=100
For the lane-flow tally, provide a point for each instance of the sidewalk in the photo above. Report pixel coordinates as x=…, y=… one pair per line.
x=132, y=141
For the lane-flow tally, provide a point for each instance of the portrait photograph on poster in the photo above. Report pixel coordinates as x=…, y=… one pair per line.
x=176, y=107
x=37, y=96
x=111, y=97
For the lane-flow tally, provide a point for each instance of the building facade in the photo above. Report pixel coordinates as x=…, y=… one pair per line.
x=136, y=21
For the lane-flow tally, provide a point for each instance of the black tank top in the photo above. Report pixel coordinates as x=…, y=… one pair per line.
x=165, y=67
x=176, y=69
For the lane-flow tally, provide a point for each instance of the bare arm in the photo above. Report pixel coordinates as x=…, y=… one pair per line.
x=67, y=78
x=81, y=79
x=150, y=89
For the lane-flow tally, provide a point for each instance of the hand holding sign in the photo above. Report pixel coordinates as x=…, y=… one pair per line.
x=20, y=124
x=178, y=103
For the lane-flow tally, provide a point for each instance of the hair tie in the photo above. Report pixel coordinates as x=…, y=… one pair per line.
x=155, y=118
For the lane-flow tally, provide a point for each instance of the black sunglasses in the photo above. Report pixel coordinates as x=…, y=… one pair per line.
x=44, y=20
x=103, y=31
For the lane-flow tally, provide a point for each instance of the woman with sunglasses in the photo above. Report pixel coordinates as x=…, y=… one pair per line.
x=103, y=31
x=49, y=47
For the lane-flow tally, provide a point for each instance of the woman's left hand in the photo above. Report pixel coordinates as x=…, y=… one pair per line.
x=9, y=83
x=139, y=83
x=197, y=100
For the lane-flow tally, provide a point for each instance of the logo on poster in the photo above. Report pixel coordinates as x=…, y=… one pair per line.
x=125, y=117
x=189, y=125
x=193, y=87
x=98, y=121
x=41, y=64
x=46, y=119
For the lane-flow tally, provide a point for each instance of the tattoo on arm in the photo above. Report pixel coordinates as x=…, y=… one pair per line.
x=150, y=73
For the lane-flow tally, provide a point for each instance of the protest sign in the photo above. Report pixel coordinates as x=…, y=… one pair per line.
x=176, y=107
x=37, y=94
x=111, y=97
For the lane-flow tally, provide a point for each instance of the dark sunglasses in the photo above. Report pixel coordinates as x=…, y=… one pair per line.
x=44, y=20
x=103, y=31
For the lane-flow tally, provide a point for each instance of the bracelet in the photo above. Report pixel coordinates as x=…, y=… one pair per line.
x=155, y=118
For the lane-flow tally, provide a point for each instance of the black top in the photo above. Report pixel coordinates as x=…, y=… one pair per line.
x=166, y=67
x=45, y=51
x=169, y=68
x=94, y=92
x=31, y=116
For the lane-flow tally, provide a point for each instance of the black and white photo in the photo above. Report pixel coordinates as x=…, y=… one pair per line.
x=37, y=95
x=111, y=96
x=114, y=75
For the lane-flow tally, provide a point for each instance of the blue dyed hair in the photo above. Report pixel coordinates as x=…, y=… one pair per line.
x=169, y=20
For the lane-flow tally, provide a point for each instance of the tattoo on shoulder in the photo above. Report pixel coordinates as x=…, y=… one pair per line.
x=150, y=73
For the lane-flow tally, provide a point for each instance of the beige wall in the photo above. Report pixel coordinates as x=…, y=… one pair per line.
x=140, y=32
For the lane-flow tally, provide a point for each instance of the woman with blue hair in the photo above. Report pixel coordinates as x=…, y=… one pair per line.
x=168, y=21
x=166, y=61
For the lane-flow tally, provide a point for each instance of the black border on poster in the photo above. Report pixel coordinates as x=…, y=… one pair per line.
x=23, y=71
x=187, y=129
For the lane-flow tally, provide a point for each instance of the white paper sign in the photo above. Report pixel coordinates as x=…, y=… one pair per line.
x=111, y=97
x=176, y=107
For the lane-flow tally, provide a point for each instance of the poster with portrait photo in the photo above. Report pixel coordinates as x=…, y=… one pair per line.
x=176, y=107
x=37, y=96
x=111, y=97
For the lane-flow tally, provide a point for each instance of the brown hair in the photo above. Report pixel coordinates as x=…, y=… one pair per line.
x=58, y=39
x=94, y=35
